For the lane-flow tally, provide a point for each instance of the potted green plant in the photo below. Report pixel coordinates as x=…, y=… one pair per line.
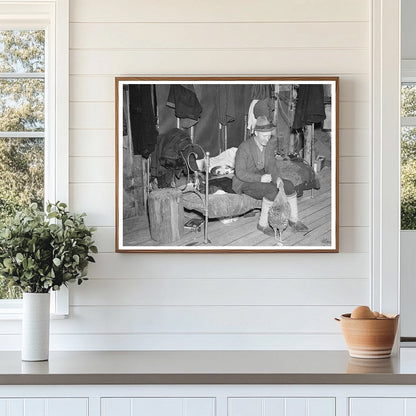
x=40, y=252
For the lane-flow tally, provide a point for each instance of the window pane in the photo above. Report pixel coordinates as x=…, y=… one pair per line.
x=7, y=292
x=408, y=105
x=22, y=104
x=22, y=51
x=21, y=182
x=408, y=178
x=21, y=173
x=21, y=109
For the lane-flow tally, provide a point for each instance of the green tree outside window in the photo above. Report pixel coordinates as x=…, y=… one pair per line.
x=22, y=125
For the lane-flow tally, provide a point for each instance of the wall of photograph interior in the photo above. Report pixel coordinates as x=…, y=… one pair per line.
x=215, y=301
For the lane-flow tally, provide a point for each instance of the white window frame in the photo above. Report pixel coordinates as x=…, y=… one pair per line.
x=53, y=17
x=408, y=74
x=385, y=150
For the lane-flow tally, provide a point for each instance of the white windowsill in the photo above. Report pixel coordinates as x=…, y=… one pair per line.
x=10, y=315
x=11, y=309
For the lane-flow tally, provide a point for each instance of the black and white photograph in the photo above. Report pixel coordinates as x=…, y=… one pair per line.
x=227, y=164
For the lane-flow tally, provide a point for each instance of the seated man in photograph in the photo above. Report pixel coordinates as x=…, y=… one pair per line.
x=256, y=175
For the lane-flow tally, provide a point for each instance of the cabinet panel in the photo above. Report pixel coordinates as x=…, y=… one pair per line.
x=16, y=407
x=296, y=407
x=318, y=407
x=410, y=406
x=3, y=408
x=377, y=407
x=245, y=407
x=44, y=407
x=275, y=407
x=67, y=407
x=34, y=407
x=199, y=407
x=157, y=406
x=271, y=406
x=119, y=407
x=382, y=406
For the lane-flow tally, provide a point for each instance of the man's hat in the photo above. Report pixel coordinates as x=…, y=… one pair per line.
x=263, y=124
x=264, y=107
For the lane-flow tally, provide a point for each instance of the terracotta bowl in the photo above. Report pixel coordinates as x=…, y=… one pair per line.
x=369, y=338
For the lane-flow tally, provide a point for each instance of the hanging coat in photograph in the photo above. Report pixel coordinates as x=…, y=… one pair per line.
x=225, y=104
x=310, y=106
x=186, y=104
x=261, y=91
x=143, y=119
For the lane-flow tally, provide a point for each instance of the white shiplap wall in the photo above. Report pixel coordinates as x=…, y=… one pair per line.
x=215, y=301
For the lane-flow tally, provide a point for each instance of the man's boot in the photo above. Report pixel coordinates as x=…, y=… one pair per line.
x=263, y=224
x=294, y=221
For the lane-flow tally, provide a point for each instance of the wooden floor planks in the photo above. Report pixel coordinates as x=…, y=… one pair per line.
x=314, y=210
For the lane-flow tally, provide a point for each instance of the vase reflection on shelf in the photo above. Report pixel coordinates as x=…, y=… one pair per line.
x=371, y=366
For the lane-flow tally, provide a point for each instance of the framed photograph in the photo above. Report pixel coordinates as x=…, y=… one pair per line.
x=235, y=164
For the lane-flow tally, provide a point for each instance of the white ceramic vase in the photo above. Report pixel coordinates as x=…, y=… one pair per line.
x=35, y=326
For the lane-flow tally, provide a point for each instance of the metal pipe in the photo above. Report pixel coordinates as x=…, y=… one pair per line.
x=206, y=197
x=226, y=137
x=313, y=157
x=220, y=136
x=148, y=174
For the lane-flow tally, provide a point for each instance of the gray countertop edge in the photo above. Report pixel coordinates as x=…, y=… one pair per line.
x=207, y=367
x=134, y=379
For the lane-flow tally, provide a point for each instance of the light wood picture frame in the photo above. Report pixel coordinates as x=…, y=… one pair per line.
x=227, y=164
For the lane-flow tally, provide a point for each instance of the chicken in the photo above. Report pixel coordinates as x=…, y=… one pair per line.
x=279, y=212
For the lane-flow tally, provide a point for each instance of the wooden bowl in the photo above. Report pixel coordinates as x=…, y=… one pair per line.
x=369, y=338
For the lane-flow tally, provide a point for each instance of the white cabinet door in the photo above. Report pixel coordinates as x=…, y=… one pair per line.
x=377, y=407
x=11, y=407
x=382, y=406
x=270, y=406
x=67, y=407
x=160, y=406
x=44, y=407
